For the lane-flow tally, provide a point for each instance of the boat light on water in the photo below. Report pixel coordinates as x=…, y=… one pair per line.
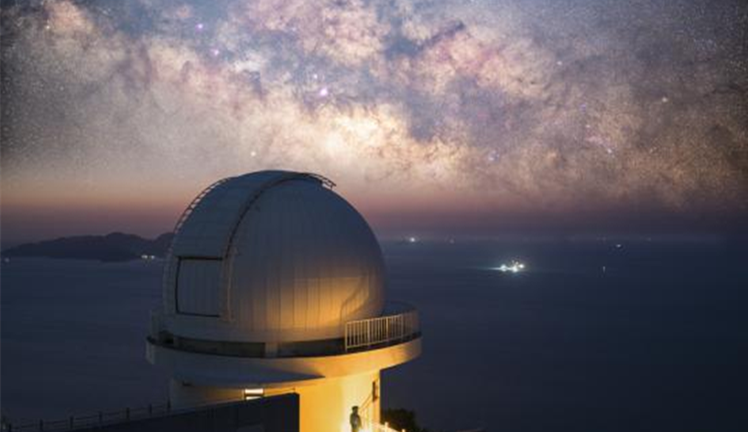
x=513, y=267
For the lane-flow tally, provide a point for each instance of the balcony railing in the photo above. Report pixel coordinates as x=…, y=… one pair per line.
x=397, y=324
x=383, y=330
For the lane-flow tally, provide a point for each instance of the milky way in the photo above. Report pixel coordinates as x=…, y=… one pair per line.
x=474, y=108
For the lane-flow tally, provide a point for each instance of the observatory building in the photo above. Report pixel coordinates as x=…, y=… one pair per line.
x=275, y=284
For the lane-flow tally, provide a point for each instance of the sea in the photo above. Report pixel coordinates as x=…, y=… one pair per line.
x=594, y=334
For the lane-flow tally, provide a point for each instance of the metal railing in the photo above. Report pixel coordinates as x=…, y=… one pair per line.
x=195, y=201
x=86, y=421
x=382, y=330
x=399, y=323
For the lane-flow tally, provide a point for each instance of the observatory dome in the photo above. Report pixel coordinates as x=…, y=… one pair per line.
x=271, y=256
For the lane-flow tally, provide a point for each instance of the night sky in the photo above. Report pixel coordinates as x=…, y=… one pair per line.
x=433, y=117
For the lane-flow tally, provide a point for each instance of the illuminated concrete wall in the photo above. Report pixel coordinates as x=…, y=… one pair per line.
x=329, y=402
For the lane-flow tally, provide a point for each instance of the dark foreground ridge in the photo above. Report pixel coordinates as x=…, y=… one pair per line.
x=111, y=247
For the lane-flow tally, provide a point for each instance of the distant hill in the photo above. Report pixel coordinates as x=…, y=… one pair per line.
x=111, y=247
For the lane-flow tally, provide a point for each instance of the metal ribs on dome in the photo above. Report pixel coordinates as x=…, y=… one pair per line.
x=288, y=176
x=195, y=201
x=283, y=176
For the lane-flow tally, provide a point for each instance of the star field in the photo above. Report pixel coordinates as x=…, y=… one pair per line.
x=469, y=111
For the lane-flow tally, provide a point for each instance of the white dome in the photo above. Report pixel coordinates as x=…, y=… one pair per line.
x=271, y=256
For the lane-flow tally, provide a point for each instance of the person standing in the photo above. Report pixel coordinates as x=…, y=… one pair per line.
x=355, y=420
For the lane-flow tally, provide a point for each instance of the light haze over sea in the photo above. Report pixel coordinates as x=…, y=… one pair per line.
x=654, y=341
